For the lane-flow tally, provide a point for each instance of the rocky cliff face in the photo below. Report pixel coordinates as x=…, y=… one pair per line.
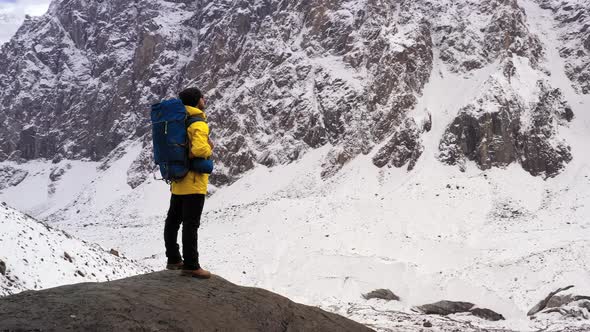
x=280, y=78
x=500, y=128
x=574, y=33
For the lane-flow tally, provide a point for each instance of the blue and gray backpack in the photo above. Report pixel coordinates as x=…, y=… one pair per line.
x=171, y=145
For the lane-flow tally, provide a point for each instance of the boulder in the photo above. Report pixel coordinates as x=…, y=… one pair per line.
x=384, y=294
x=164, y=301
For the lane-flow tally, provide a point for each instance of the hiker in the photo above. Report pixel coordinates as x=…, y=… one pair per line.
x=188, y=194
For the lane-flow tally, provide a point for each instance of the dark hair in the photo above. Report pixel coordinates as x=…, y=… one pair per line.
x=190, y=96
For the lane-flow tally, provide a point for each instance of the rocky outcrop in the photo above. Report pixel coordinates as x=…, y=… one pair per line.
x=143, y=166
x=503, y=125
x=573, y=30
x=404, y=147
x=11, y=176
x=467, y=44
x=445, y=308
x=543, y=303
x=570, y=305
x=164, y=301
x=384, y=294
x=487, y=139
x=500, y=129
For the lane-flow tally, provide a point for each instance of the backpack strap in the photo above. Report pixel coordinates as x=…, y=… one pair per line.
x=192, y=119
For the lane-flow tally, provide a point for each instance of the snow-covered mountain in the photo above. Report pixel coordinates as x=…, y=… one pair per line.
x=284, y=78
x=435, y=148
x=34, y=256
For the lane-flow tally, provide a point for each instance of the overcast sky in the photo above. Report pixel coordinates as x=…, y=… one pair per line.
x=12, y=14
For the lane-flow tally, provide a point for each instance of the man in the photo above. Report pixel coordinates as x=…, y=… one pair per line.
x=188, y=194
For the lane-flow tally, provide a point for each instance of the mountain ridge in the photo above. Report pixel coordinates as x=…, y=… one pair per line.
x=279, y=82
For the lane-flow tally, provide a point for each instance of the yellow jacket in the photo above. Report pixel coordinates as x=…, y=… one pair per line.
x=198, y=137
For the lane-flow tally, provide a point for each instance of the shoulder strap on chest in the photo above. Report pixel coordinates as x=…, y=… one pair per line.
x=192, y=119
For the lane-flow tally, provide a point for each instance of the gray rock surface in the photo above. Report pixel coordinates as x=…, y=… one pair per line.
x=445, y=308
x=384, y=294
x=164, y=301
x=543, y=303
x=10, y=176
x=486, y=314
x=496, y=131
x=569, y=305
x=573, y=31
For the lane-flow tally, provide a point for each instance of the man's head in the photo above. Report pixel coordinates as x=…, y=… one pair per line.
x=192, y=97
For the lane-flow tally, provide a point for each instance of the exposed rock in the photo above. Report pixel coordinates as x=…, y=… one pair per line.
x=488, y=139
x=405, y=147
x=384, y=294
x=486, y=314
x=445, y=308
x=68, y=257
x=143, y=166
x=495, y=132
x=114, y=252
x=452, y=307
x=508, y=33
x=466, y=46
x=576, y=310
x=56, y=174
x=114, y=155
x=540, y=153
x=561, y=300
x=412, y=322
x=51, y=189
x=335, y=160
x=152, y=302
x=570, y=306
x=509, y=69
x=2, y=268
x=10, y=176
x=572, y=29
x=543, y=303
x=427, y=123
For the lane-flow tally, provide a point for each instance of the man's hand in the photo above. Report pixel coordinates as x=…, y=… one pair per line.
x=210, y=143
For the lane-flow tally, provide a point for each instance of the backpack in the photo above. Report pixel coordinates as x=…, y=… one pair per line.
x=171, y=146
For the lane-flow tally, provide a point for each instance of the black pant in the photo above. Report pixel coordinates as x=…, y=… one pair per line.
x=185, y=210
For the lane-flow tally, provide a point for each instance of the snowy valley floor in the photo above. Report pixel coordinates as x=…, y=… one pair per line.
x=501, y=238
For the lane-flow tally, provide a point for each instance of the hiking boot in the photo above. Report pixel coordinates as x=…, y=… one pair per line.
x=199, y=273
x=175, y=266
